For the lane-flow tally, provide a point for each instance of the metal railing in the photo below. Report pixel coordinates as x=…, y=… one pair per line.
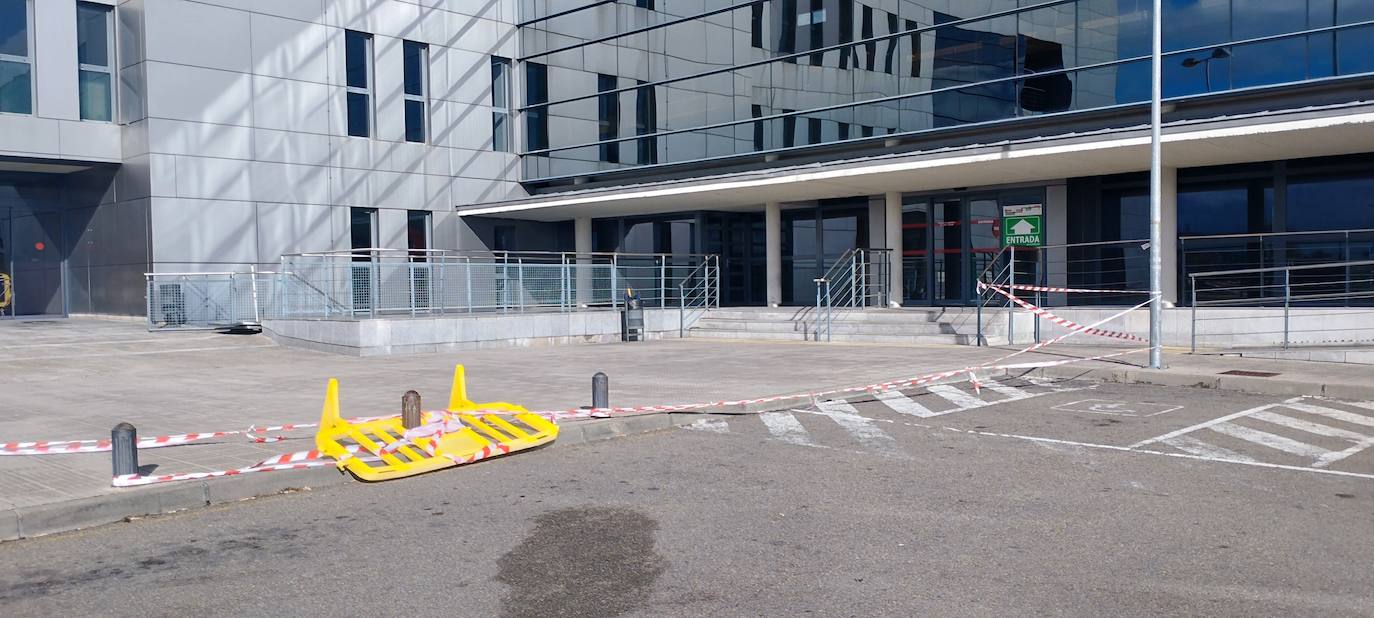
x=859, y=278
x=1118, y=269
x=1232, y=252
x=1329, y=286
x=698, y=292
x=210, y=299
x=376, y=282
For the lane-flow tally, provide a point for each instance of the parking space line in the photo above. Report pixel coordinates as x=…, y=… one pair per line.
x=1206, y=424
x=1270, y=440
x=862, y=428
x=959, y=398
x=1010, y=392
x=1308, y=426
x=1340, y=415
x=902, y=404
x=1189, y=444
x=786, y=428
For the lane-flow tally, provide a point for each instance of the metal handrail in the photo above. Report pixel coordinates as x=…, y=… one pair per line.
x=707, y=290
x=1288, y=297
x=1267, y=234
x=852, y=272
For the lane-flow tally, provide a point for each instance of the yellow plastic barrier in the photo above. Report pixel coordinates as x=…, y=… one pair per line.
x=6, y=291
x=377, y=450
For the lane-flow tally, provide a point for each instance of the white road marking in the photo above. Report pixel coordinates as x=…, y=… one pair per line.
x=1336, y=456
x=1129, y=449
x=1309, y=427
x=1010, y=392
x=714, y=425
x=862, y=428
x=786, y=428
x=1053, y=384
x=962, y=400
x=1270, y=440
x=1206, y=424
x=902, y=404
x=1194, y=446
x=1340, y=415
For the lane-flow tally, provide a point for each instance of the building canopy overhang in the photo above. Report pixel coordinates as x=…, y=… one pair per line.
x=1254, y=137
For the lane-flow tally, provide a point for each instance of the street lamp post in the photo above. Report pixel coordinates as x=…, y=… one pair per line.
x=1156, y=218
x=1217, y=54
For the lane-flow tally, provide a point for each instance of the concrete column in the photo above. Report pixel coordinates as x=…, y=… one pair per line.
x=877, y=239
x=582, y=244
x=1168, y=207
x=893, y=230
x=772, y=225
x=1057, y=233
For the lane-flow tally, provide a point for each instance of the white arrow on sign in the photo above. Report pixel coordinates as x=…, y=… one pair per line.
x=1023, y=228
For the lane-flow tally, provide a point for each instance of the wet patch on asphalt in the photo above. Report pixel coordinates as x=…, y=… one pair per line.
x=589, y=561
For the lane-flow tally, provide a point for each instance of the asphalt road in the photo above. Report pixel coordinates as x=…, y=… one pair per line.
x=1026, y=504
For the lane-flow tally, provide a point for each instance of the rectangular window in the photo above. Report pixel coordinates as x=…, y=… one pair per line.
x=789, y=129
x=608, y=118
x=846, y=27
x=16, y=57
x=865, y=130
x=536, y=93
x=915, y=58
x=417, y=230
x=844, y=131
x=500, y=104
x=756, y=24
x=865, y=32
x=645, y=4
x=891, y=44
x=415, y=57
x=362, y=231
x=95, y=60
x=756, y=111
x=817, y=24
x=646, y=122
x=358, y=82
x=813, y=130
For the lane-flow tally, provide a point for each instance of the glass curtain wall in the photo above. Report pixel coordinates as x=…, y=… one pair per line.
x=797, y=73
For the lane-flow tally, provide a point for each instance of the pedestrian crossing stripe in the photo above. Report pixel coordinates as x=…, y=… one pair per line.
x=1192, y=440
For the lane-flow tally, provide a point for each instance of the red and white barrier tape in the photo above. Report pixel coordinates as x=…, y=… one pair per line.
x=1042, y=288
x=290, y=461
x=1061, y=321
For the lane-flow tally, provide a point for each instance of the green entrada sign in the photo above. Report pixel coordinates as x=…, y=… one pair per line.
x=1022, y=226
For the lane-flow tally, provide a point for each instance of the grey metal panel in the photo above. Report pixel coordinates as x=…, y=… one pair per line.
x=55, y=60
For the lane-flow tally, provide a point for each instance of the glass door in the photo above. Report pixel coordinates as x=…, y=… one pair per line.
x=36, y=264
x=947, y=260
x=916, y=254
x=985, y=239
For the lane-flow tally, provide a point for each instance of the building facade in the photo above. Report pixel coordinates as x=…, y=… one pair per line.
x=216, y=135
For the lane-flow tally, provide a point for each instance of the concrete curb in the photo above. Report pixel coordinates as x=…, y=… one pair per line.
x=1246, y=384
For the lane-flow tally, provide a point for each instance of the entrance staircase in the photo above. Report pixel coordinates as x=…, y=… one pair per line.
x=893, y=326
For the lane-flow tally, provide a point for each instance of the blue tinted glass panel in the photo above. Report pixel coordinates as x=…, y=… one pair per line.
x=1355, y=50
x=415, y=121
x=1273, y=62
x=1257, y=18
x=1350, y=11
x=1330, y=204
x=14, y=27
x=1195, y=23
x=94, y=95
x=356, y=58
x=1215, y=211
x=15, y=88
x=358, y=121
x=92, y=34
x=500, y=133
x=414, y=58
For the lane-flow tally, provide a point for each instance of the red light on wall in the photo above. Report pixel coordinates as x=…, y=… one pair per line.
x=39, y=245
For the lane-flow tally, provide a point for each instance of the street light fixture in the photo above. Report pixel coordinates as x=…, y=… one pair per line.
x=1219, y=53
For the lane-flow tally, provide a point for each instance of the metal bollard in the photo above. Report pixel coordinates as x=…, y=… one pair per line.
x=601, y=391
x=410, y=410
x=124, y=449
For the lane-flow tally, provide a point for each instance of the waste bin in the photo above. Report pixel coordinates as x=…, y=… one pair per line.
x=632, y=317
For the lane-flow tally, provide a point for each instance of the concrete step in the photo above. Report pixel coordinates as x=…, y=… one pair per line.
x=837, y=326
x=708, y=333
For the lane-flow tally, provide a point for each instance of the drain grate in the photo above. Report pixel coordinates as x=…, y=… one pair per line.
x=1250, y=374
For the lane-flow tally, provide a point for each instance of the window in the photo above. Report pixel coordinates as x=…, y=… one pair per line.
x=866, y=32
x=813, y=130
x=16, y=58
x=756, y=24
x=500, y=104
x=846, y=27
x=536, y=93
x=362, y=231
x=915, y=58
x=415, y=57
x=608, y=118
x=645, y=4
x=95, y=60
x=756, y=111
x=358, y=85
x=789, y=129
x=646, y=122
x=417, y=230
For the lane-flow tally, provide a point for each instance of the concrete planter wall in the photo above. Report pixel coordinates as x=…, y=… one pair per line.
x=404, y=335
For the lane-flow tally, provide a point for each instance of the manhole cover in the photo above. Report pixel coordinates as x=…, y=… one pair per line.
x=1251, y=374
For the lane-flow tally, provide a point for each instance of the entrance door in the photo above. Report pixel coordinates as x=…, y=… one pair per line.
x=947, y=262
x=946, y=242
x=35, y=263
